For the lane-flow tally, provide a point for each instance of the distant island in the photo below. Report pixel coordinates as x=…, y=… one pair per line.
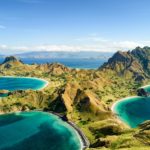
x=85, y=97
x=73, y=59
x=64, y=54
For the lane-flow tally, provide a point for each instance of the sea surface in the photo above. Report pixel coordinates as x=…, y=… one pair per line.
x=36, y=131
x=21, y=83
x=73, y=63
x=133, y=110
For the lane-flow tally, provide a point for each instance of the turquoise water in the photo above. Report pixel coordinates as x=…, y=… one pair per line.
x=21, y=83
x=146, y=88
x=133, y=110
x=36, y=131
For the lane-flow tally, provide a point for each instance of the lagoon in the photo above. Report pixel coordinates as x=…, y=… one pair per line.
x=21, y=83
x=37, y=131
x=133, y=110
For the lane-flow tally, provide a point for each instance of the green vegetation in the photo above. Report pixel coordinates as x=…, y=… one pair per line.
x=86, y=97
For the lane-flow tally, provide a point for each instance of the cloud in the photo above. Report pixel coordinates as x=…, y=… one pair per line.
x=92, y=42
x=102, y=43
x=103, y=46
x=2, y=27
x=127, y=44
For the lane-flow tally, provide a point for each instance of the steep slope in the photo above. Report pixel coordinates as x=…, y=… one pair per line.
x=11, y=61
x=143, y=134
x=54, y=68
x=132, y=64
x=79, y=103
x=143, y=56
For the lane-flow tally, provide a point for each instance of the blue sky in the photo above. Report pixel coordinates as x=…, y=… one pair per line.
x=96, y=25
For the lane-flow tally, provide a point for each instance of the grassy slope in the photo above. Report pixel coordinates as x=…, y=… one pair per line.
x=103, y=132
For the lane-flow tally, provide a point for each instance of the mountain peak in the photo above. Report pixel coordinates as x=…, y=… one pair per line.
x=10, y=62
x=11, y=59
x=134, y=64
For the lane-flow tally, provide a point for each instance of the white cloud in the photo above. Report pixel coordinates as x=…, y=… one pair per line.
x=89, y=43
x=127, y=45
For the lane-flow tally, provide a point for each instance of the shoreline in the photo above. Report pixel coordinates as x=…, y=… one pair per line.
x=40, y=79
x=115, y=113
x=123, y=99
x=83, y=139
x=145, y=86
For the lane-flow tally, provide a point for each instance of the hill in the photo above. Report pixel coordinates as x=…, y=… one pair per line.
x=131, y=64
x=86, y=96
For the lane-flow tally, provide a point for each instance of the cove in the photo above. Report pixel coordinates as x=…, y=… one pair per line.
x=37, y=131
x=133, y=110
x=21, y=83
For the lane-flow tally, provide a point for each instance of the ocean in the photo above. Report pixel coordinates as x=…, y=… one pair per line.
x=73, y=63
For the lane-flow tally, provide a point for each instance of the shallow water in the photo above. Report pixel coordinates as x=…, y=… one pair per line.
x=21, y=83
x=133, y=110
x=36, y=131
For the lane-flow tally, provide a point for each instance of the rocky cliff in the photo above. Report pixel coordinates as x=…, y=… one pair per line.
x=10, y=62
x=131, y=64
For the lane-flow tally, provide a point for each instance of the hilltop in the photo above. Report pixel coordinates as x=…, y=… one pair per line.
x=12, y=59
x=131, y=64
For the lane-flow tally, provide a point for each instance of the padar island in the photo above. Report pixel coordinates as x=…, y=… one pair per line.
x=85, y=97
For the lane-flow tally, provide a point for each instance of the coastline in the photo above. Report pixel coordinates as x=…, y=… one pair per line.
x=123, y=99
x=84, y=141
x=40, y=79
x=145, y=86
x=115, y=113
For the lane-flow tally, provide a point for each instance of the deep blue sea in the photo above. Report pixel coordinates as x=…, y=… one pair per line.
x=36, y=131
x=73, y=63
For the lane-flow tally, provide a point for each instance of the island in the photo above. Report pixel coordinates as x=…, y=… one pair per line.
x=85, y=97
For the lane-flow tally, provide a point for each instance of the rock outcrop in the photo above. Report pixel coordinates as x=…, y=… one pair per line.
x=142, y=92
x=131, y=64
x=10, y=62
x=11, y=59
